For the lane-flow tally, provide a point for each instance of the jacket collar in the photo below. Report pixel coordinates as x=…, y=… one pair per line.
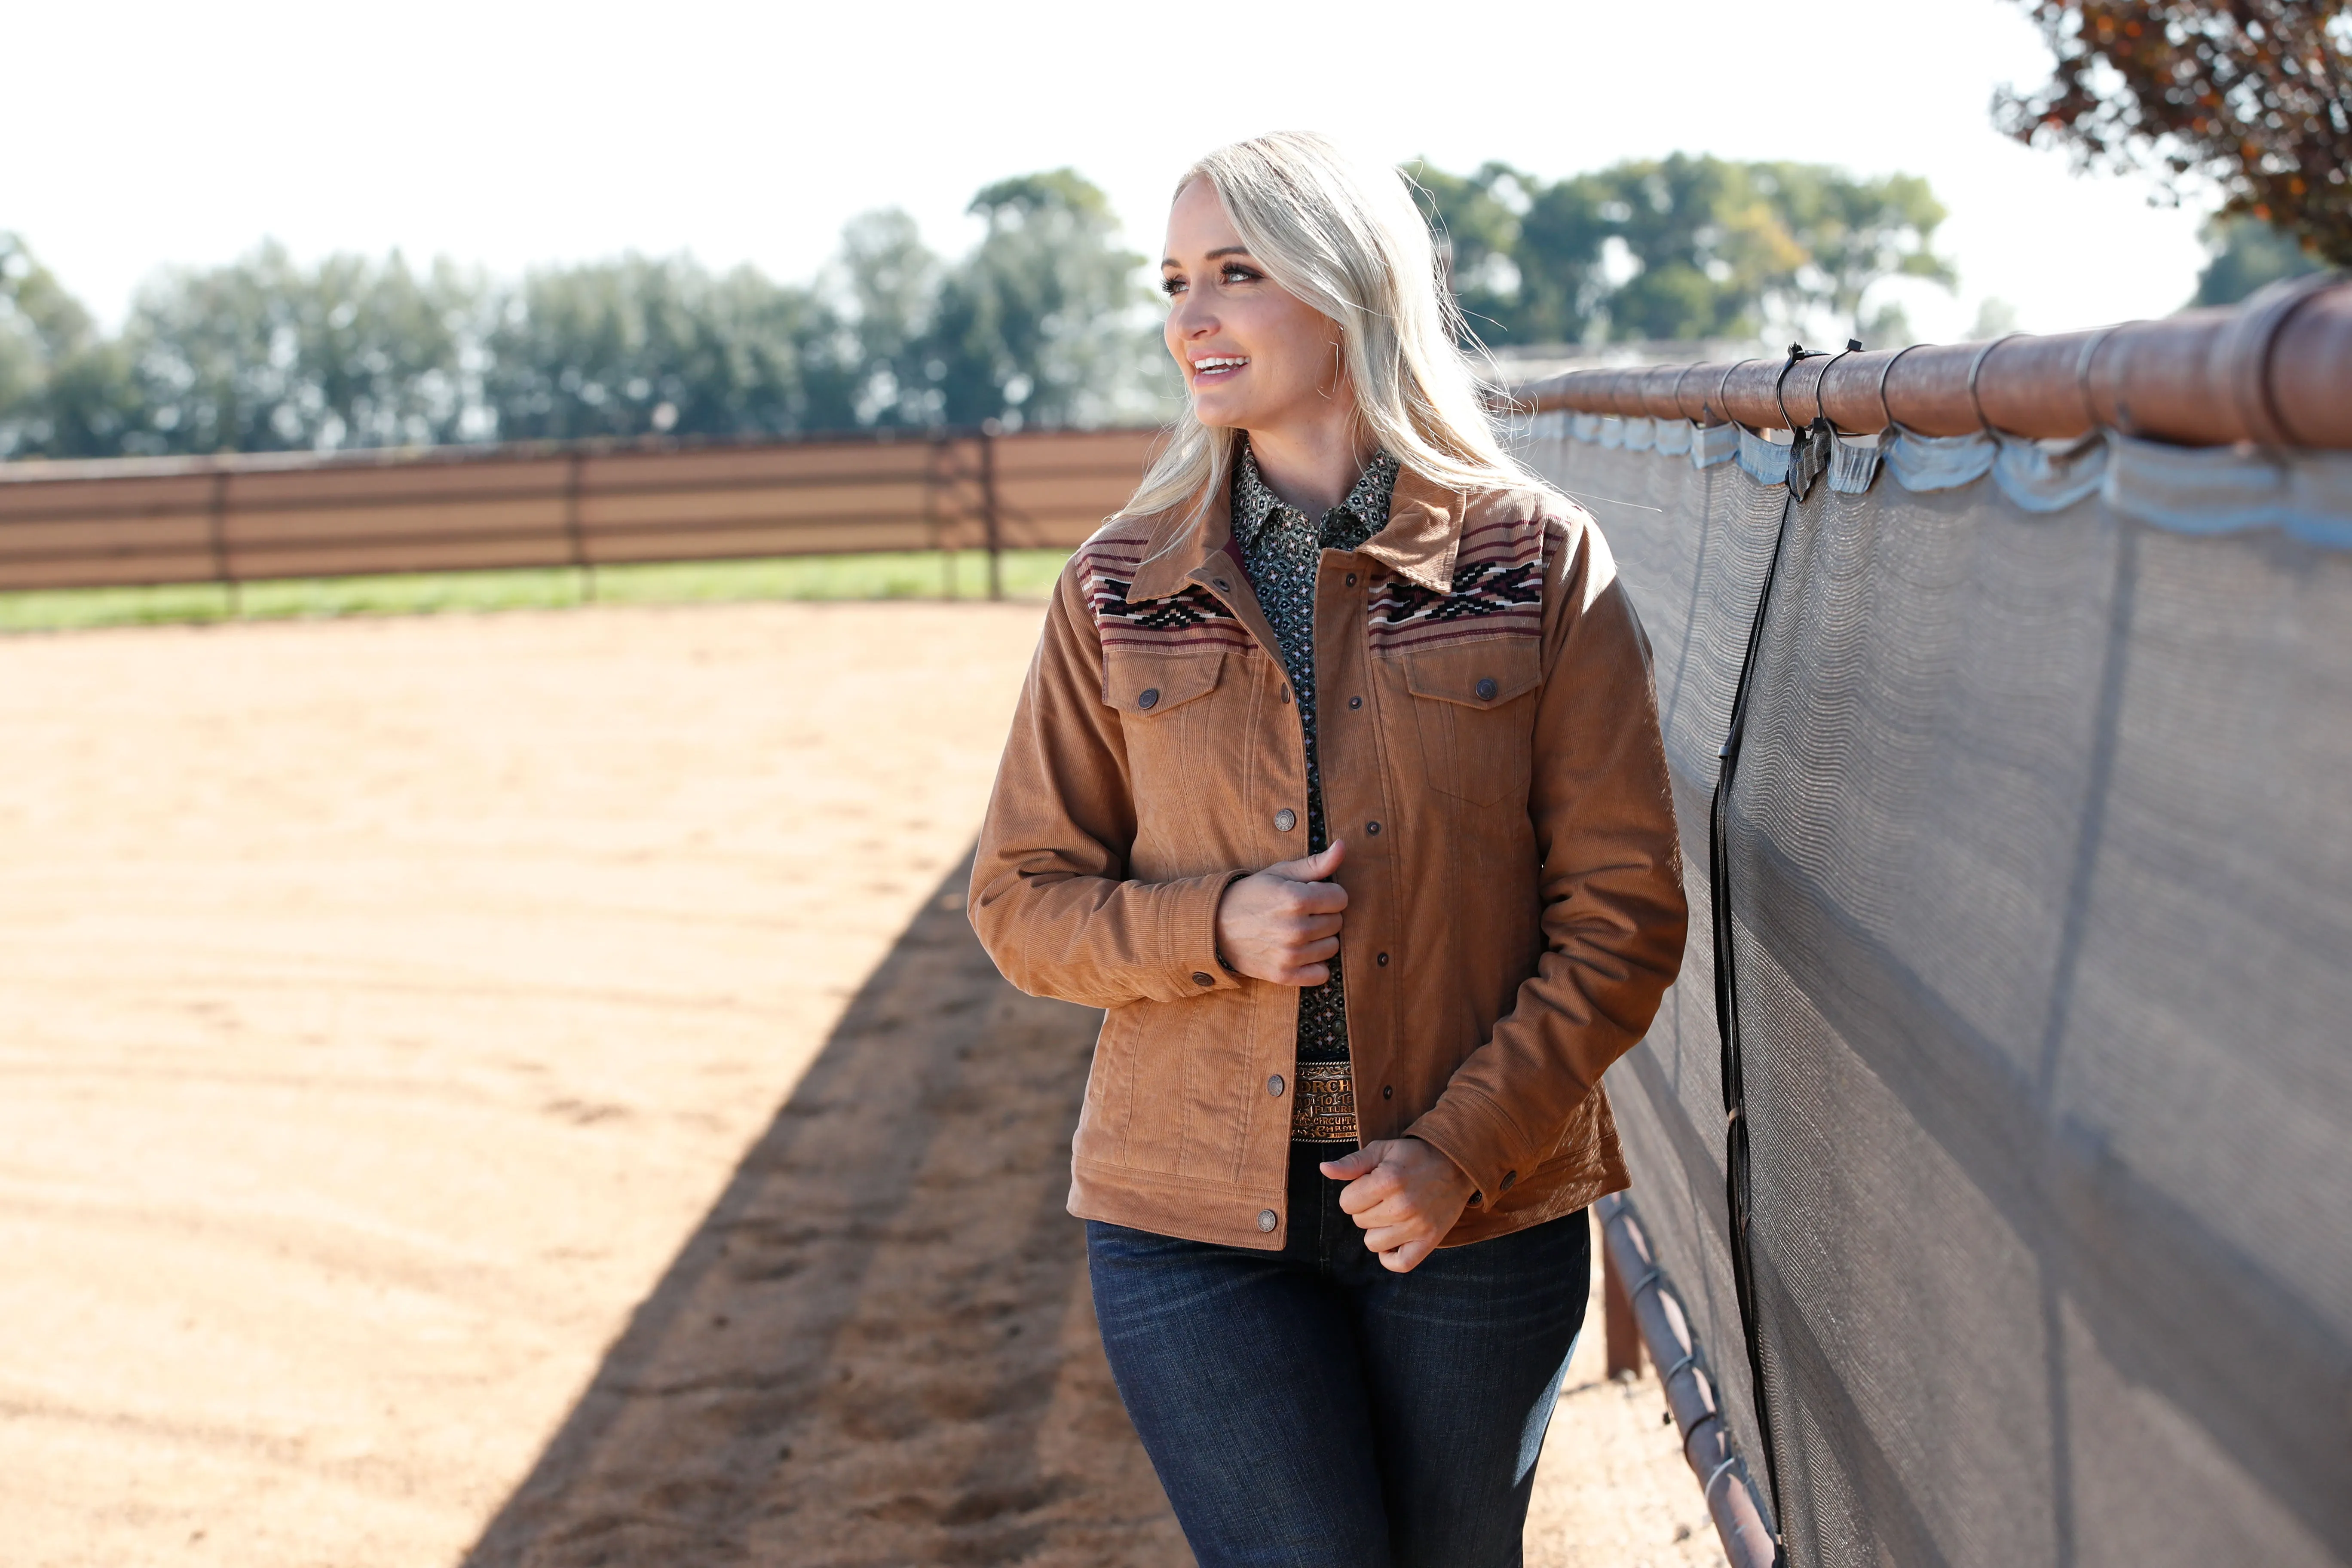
x=1419, y=543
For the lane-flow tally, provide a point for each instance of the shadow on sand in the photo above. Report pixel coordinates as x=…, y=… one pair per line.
x=877, y=1347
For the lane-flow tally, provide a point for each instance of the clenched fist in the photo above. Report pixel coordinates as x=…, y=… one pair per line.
x=1283, y=924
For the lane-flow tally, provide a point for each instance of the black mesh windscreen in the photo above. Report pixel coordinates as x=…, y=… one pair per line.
x=2041, y=890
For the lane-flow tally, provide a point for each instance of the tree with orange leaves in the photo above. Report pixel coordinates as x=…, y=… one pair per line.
x=2253, y=96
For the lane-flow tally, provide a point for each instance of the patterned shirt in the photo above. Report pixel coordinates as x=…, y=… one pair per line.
x=1281, y=552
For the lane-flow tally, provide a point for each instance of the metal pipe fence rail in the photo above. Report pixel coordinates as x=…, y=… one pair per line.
x=2276, y=372
x=240, y=518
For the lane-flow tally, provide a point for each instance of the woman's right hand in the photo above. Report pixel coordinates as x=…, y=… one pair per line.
x=1283, y=923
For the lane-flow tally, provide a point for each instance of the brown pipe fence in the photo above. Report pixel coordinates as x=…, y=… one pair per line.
x=246, y=518
x=2277, y=373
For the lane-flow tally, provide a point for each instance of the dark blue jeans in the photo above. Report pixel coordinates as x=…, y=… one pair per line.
x=1310, y=1409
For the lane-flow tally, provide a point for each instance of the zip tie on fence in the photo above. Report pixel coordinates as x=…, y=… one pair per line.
x=2085, y=358
x=1678, y=394
x=1721, y=412
x=1885, y=371
x=1976, y=368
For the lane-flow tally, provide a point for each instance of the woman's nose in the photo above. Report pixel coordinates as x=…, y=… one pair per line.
x=1192, y=320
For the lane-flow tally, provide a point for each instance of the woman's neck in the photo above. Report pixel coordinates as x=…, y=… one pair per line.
x=1312, y=469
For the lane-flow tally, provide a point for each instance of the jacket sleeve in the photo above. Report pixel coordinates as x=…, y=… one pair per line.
x=1050, y=897
x=1614, y=918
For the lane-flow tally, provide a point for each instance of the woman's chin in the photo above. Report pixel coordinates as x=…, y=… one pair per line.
x=1220, y=413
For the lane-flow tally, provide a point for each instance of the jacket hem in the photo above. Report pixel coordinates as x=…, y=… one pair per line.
x=1190, y=1208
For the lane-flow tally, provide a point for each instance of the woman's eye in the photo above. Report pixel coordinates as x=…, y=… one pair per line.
x=1172, y=286
x=1236, y=273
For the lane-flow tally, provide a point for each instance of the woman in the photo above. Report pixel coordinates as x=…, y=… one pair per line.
x=1358, y=829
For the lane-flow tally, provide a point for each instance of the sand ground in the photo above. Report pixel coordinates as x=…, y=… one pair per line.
x=520, y=1089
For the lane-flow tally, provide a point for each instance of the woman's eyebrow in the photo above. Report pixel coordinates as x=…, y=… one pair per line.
x=1221, y=250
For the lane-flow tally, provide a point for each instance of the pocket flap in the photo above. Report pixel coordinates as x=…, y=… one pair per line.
x=1146, y=685
x=1482, y=674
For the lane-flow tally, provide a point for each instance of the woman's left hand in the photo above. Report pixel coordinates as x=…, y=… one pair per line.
x=1404, y=1195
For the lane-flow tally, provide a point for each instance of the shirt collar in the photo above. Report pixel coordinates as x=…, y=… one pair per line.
x=1183, y=542
x=1368, y=500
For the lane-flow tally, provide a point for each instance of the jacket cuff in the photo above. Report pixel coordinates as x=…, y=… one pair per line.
x=1472, y=1132
x=1191, y=926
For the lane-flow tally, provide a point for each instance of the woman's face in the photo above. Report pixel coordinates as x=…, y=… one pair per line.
x=1254, y=355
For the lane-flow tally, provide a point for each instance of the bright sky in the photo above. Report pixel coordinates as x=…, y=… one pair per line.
x=508, y=133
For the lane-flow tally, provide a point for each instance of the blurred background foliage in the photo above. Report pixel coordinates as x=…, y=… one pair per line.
x=1047, y=320
x=2251, y=100
x=1683, y=248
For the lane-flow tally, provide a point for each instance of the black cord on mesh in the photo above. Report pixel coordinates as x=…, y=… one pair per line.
x=1726, y=987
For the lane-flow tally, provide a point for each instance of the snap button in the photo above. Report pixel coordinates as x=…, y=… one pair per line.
x=1372, y=829
x=1151, y=698
x=1487, y=688
x=1274, y=1086
x=1267, y=1219
x=1383, y=960
x=1223, y=583
x=1355, y=702
x=1202, y=978
x=1508, y=1177
x=1283, y=695
x=1285, y=819
x=1351, y=579
x=1388, y=1091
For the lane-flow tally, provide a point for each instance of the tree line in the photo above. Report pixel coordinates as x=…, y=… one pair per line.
x=1043, y=322
x=1047, y=321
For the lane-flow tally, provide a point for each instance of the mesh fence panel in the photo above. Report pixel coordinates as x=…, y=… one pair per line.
x=2043, y=924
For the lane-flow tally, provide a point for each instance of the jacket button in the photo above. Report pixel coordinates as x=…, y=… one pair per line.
x=1355, y=702
x=1274, y=1086
x=1383, y=960
x=1487, y=688
x=1351, y=579
x=1508, y=1177
x=1202, y=978
x=1223, y=583
x=1371, y=830
x=1283, y=695
x=1151, y=698
x=1388, y=1091
x=1267, y=1220
x=1285, y=819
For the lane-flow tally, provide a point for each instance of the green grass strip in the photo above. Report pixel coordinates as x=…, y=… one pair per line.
x=911, y=575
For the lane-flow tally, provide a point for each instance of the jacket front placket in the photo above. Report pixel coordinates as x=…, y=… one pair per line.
x=1355, y=729
x=1276, y=756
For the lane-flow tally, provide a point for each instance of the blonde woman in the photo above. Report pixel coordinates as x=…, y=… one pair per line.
x=1337, y=782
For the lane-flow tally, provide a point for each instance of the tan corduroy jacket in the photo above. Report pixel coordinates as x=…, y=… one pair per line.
x=1490, y=752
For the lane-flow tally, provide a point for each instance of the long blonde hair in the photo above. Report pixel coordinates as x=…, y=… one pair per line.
x=1348, y=240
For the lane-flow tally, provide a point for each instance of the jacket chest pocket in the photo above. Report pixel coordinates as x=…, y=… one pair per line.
x=1474, y=707
x=1162, y=714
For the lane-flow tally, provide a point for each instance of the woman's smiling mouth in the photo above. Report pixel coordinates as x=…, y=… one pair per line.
x=1217, y=367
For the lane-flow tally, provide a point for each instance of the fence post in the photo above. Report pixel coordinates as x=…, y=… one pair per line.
x=574, y=463
x=1621, y=1332
x=938, y=474
x=988, y=432
x=217, y=523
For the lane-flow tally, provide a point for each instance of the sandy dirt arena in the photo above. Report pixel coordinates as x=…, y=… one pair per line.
x=521, y=1090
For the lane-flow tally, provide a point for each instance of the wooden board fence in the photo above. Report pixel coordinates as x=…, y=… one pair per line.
x=246, y=518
